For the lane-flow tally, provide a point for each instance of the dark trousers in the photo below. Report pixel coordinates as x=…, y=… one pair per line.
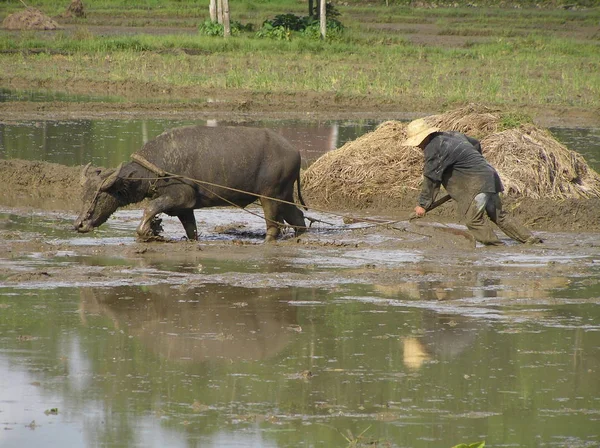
x=490, y=204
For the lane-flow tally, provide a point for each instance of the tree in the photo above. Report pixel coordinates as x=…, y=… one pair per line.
x=323, y=18
x=219, y=13
x=226, y=26
x=212, y=9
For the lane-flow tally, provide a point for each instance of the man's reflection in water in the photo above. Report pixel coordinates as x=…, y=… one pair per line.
x=445, y=337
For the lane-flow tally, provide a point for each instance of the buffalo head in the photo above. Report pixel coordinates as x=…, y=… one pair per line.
x=102, y=195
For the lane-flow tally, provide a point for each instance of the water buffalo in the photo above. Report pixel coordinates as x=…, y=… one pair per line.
x=246, y=160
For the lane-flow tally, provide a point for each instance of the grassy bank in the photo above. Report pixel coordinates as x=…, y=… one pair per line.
x=439, y=57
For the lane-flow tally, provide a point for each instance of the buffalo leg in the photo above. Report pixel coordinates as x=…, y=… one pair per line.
x=155, y=207
x=181, y=199
x=292, y=214
x=271, y=210
x=188, y=220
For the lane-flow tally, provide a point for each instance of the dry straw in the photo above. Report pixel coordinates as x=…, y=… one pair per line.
x=531, y=163
x=29, y=19
x=374, y=164
x=474, y=120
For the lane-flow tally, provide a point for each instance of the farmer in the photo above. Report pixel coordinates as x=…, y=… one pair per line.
x=455, y=161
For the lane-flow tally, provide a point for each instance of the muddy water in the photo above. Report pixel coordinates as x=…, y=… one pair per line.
x=109, y=142
x=353, y=334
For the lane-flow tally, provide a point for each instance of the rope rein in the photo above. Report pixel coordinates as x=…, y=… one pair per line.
x=162, y=174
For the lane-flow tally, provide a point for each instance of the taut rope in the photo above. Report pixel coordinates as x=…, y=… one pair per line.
x=139, y=159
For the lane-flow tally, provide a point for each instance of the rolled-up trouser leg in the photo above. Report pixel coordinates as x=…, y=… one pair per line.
x=476, y=222
x=508, y=225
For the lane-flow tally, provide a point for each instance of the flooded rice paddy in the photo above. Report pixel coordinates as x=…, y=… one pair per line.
x=110, y=142
x=353, y=335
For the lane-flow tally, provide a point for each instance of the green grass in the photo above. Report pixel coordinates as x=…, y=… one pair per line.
x=521, y=60
x=539, y=71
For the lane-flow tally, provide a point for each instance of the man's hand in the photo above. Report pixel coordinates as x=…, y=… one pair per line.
x=419, y=211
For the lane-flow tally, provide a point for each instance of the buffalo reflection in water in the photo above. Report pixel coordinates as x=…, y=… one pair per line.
x=212, y=322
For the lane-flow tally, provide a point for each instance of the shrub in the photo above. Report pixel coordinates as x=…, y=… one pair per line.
x=291, y=22
x=208, y=28
x=274, y=32
x=335, y=30
x=308, y=26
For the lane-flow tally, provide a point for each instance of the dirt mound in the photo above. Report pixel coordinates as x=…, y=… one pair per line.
x=40, y=184
x=575, y=215
x=29, y=19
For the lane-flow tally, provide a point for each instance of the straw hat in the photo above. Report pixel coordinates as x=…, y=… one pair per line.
x=417, y=131
x=415, y=353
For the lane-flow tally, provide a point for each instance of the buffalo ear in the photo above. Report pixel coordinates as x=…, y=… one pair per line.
x=110, y=180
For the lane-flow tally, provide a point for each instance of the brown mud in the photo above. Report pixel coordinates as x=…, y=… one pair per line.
x=39, y=248
x=51, y=186
x=324, y=257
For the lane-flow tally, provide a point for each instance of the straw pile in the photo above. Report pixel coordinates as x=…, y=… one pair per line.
x=531, y=163
x=474, y=120
x=372, y=165
x=29, y=19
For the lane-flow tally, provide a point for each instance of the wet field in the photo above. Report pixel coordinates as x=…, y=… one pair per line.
x=354, y=335
x=107, y=142
x=105, y=341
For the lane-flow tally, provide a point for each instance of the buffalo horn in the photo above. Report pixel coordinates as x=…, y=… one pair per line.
x=84, y=174
x=110, y=180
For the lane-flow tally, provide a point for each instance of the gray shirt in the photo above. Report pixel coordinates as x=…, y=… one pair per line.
x=454, y=160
